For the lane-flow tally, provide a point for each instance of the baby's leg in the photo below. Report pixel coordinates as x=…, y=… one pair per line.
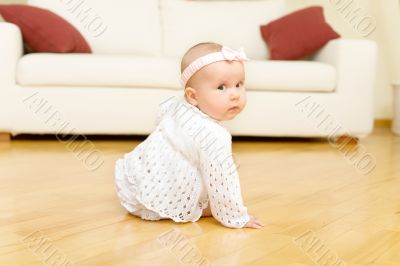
x=207, y=212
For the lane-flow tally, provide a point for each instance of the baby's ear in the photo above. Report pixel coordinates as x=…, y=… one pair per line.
x=191, y=96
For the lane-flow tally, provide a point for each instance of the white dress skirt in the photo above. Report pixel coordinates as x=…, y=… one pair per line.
x=127, y=191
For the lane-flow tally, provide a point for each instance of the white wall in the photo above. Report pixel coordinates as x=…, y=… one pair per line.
x=388, y=38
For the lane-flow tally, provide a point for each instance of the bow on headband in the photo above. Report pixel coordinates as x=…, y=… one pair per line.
x=230, y=54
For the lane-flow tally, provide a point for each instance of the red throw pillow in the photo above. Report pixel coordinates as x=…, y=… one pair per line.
x=297, y=34
x=44, y=31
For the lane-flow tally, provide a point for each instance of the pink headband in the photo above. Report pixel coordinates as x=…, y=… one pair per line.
x=225, y=54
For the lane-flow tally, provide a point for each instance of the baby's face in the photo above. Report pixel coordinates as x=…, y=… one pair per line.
x=220, y=89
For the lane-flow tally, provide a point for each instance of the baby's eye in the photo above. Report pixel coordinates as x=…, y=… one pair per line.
x=238, y=85
x=221, y=87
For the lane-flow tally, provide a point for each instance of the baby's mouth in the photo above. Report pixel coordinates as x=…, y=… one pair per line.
x=234, y=108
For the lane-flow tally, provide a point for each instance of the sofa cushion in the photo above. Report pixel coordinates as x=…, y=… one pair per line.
x=163, y=72
x=298, y=34
x=98, y=70
x=44, y=31
x=231, y=23
x=113, y=27
x=290, y=76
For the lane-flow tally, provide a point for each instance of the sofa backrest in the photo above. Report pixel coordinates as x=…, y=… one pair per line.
x=231, y=23
x=117, y=27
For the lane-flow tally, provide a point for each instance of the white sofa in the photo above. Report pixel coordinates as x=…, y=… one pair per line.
x=135, y=67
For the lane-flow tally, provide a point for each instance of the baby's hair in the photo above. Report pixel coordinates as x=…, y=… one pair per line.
x=198, y=51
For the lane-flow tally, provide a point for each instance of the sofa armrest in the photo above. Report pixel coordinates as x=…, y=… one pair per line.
x=355, y=62
x=11, y=50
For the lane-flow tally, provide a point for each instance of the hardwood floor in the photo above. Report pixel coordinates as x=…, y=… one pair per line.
x=319, y=207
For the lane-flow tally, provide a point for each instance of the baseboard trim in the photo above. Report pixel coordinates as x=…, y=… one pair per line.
x=385, y=123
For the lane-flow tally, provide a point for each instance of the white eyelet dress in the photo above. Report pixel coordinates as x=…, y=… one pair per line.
x=185, y=164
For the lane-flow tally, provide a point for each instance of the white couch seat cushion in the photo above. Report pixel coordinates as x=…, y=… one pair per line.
x=47, y=69
x=163, y=72
x=290, y=76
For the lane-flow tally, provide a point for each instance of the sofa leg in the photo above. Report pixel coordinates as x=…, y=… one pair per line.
x=5, y=136
x=346, y=140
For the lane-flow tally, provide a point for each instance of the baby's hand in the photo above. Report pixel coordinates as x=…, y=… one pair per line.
x=254, y=223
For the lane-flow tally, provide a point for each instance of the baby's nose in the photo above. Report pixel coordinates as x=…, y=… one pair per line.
x=234, y=95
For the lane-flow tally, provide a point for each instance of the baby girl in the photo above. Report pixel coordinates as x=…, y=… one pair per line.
x=184, y=169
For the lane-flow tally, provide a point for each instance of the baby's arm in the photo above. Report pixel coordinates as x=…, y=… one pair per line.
x=223, y=187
